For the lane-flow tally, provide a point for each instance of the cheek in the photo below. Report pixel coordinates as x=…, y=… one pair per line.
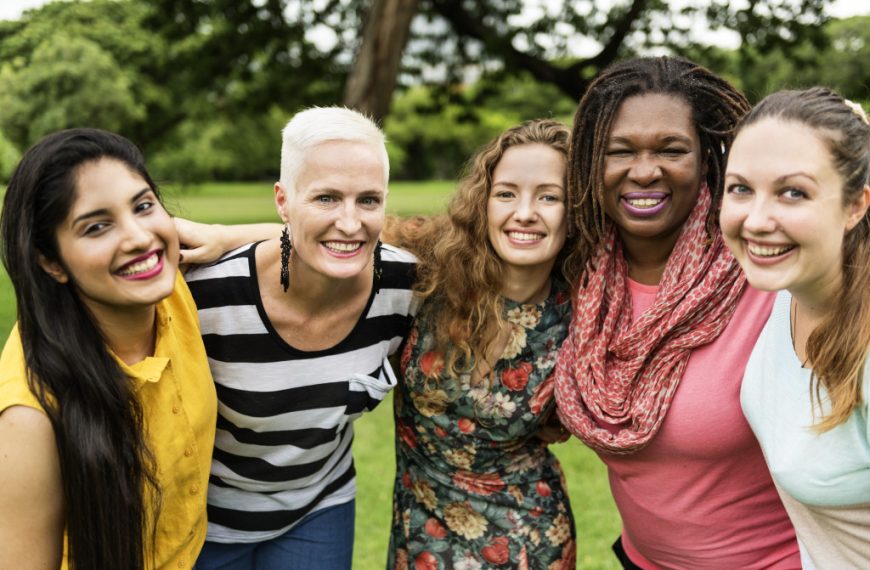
x=493, y=217
x=374, y=221
x=728, y=217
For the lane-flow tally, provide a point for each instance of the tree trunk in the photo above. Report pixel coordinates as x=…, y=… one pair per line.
x=372, y=80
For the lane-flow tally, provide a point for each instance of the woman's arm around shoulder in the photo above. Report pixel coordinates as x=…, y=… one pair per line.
x=31, y=494
x=205, y=243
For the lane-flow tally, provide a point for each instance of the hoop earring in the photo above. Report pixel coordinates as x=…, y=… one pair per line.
x=378, y=267
x=286, y=248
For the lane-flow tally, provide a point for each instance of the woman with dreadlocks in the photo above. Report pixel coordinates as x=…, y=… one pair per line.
x=664, y=323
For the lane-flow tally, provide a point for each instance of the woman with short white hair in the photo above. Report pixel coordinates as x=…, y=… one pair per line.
x=298, y=331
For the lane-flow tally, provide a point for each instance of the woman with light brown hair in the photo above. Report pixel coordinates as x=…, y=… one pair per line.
x=795, y=214
x=474, y=485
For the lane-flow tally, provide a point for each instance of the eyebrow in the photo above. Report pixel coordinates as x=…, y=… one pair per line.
x=778, y=180
x=666, y=138
x=541, y=185
x=104, y=211
x=330, y=190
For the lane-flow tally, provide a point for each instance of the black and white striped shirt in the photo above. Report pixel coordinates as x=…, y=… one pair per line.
x=284, y=432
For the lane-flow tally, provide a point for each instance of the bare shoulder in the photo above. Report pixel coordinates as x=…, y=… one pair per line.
x=27, y=448
x=31, y=494
x=23, y=422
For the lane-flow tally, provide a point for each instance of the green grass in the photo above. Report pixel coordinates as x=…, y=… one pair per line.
x=596, y=518
x=246, y=202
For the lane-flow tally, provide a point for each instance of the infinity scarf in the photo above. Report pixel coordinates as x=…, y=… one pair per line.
x=623, y=374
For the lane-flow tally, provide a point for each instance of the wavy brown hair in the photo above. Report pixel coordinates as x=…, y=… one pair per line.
x=837, y=348
x=459, y=273
x=716, y=106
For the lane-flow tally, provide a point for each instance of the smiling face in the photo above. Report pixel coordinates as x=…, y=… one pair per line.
x=526, y=214
x=336, y=211
x=117, y=245
x=653, y=168
x=783, y=214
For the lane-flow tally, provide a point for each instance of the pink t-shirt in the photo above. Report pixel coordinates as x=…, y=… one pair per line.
x=700, y=495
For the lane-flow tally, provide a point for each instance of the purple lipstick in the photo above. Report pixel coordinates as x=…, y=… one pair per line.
x=644, y=204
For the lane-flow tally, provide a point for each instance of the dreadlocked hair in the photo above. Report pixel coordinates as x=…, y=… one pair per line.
x=459, y=272
x=716, y=106
x=837, y=347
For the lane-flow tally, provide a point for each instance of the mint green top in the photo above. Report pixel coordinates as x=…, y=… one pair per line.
x=823, y=479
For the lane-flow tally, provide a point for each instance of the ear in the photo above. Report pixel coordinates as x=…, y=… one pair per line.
x=53, y=268
x=282, y=200
x=858, y=208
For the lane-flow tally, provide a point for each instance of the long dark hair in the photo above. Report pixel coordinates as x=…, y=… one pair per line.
x=716, y=107
x=98, y=423
x=837, y=347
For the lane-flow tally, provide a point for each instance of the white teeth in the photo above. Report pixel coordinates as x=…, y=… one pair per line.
x=341, y=246
x=524, y=236
x=768, y=251
x=645, y=202
x=142, y=266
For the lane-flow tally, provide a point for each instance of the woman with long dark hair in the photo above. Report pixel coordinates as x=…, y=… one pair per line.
x=795, y=214
x=107, y=407
x=649, y=376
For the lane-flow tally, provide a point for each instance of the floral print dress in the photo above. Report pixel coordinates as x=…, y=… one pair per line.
x=474, y=487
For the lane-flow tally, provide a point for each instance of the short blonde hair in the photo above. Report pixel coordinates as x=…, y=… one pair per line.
x=317, y=125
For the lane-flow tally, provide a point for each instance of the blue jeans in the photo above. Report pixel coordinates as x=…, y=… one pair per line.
x=322, y=540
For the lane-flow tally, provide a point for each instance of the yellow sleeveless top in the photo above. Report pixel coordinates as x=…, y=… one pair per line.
x=178, y=399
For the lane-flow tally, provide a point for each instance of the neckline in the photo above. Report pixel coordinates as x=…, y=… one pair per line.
x=638, y=287
x=792, y=323
x=273, y=332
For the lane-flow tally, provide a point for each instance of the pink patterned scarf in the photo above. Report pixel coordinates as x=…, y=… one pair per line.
x=622, y=374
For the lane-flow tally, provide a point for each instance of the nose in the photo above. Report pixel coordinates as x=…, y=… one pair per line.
x=137, y=237
x=760, y=217
x=526, y=211
x=348, y=221
x=645, y=170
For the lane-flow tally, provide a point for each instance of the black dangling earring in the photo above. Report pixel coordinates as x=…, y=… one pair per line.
x=286, y=247
x=378, y=269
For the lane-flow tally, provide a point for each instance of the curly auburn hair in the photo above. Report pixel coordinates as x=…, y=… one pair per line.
x=716, y=106
x=460, y=272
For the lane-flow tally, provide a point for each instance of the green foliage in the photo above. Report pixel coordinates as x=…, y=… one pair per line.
x=840, y=62
x=220, y=148
x=69, y=81
x=432, y=133
x=205, y=85
x=9, y=157
x=72, y=64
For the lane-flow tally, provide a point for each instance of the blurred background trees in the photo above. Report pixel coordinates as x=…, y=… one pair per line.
x=206, y=85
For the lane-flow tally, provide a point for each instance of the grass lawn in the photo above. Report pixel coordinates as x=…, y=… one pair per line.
x=596, y=517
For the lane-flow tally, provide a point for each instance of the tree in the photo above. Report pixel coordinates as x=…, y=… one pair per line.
x=839, y=63
x=82, y=64
x=373, y=77
x=450, y=36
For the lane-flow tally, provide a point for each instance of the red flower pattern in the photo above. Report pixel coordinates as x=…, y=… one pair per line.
x=515, y=379
x=465, y=425
x=432, y=364
x=434, y=528
x=407, y=434
x=425, y=561
x=497, y=552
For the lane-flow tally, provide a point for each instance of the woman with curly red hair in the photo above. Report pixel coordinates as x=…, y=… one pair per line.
x=474, y=485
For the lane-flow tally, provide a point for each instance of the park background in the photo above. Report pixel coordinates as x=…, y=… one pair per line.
x=204, y=87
